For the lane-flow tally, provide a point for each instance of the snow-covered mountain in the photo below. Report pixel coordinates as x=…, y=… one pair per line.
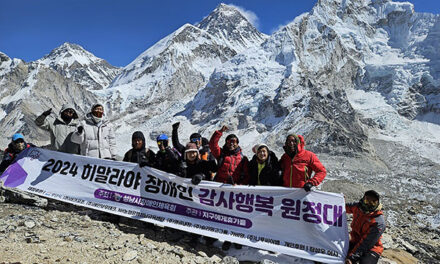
x=179, y=65
x=28, y=89
x=360, y=79
x=228, y=24
x=73, y=61
x=345, y=74
x=174, y=68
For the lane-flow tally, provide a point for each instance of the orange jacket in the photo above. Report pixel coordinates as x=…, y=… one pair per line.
x=297, y=171
x=366, y=229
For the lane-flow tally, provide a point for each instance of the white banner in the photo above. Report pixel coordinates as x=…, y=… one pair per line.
x=307, y=225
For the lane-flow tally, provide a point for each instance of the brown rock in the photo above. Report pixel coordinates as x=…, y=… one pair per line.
x=399, y=256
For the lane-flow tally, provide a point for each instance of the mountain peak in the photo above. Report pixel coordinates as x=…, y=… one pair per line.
x=229, y=24
x=72, y=61
x=3, y=57
x=69, y=50
x=226, y=9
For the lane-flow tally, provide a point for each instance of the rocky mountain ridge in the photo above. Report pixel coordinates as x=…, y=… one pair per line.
x=359, y=79
x=74, y=62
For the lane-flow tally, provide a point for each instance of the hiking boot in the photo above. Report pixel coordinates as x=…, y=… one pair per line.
x=226, y=246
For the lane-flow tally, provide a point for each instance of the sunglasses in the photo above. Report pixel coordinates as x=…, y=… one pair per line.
x=69, y=111
x=232, y=140
x=369, y=202
x=161, y=142
x=195, y=140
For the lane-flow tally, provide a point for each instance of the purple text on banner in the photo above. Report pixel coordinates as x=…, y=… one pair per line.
x=172, y=208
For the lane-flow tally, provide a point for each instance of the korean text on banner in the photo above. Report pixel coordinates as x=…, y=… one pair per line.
x=308, y=225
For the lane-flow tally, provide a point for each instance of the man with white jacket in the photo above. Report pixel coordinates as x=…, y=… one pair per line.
x=60, y=128
x=95, y=135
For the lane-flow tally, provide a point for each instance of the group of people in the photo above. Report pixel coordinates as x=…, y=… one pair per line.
x=201, y=159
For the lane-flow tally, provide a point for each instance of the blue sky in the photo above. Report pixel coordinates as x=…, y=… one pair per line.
x=118, y=31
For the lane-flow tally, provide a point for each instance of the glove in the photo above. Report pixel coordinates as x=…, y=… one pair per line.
x=197, y=178
x=355, y=256
x=176, y=125
x=143, y=164
x=47, y=112
x=308, y=186
x=80, y=129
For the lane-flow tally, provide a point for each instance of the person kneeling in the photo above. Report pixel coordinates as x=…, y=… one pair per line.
x=367, y=228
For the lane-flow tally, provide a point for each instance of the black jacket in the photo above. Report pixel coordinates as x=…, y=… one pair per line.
x=205, y=167
x=271, y=173
x=168, y=161
x=204, y=150
x=10, y=154
x=142, y=157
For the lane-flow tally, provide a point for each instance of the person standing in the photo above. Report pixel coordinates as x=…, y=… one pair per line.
x=139, y=153
x=193, y=167
x=95, y=135
x=232, y=164
x=167, y=158
x=298, y=165
x=60, y=129
x=195, y=138
x=367, y=227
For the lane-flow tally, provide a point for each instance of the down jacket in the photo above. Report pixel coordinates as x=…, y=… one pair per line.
x=298, y=170
x=97, y=140
x=366, y=230
x=232, y=165
x=270, y=175
x=60, y=132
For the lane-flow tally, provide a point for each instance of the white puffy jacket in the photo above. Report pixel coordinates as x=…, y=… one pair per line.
x=60, y=132
x=97, y=139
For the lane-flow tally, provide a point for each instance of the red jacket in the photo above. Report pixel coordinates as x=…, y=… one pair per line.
x=232, y=166
x=298, y=171
x=366, y=229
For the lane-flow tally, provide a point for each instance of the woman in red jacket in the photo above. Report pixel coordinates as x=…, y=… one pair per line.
x=298, y=164
x=367, y=228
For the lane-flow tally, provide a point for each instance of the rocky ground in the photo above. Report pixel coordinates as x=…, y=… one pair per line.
x=33, y=231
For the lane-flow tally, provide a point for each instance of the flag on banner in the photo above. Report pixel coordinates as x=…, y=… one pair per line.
x=287, y=220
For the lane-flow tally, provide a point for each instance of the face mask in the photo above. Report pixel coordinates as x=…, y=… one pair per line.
x=66, y=118
x=96, y=119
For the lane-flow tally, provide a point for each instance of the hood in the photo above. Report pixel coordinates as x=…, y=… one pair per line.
x=138, y=134
x=302, y=143
x=67, y=106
